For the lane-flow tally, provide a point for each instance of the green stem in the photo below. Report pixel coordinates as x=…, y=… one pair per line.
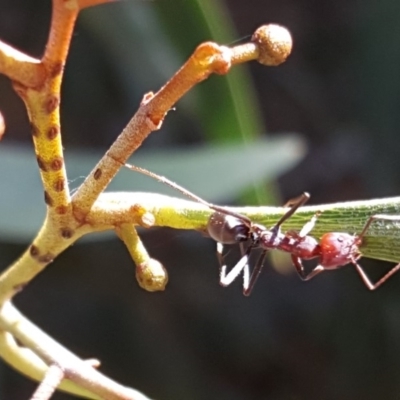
x=382, y=240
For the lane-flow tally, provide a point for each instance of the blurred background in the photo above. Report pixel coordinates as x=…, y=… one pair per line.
x=331, y=113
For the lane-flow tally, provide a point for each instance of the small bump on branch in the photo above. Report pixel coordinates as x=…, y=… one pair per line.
x=150, y=273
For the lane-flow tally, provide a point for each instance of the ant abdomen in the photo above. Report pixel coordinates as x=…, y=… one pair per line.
x=338, y=249
x=227, y=229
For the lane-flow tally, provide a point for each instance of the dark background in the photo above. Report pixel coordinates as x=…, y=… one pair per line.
x=326, y=339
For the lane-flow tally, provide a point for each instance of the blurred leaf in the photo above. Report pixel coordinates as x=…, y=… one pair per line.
x=227, y=106
x=221, y=173
x=375, y=63
x=149, y=60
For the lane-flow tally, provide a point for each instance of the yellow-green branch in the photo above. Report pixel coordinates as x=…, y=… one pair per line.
x=382, y=240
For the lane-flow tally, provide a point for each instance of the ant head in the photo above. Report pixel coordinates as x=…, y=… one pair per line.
x=228, y=229
x=338, y=249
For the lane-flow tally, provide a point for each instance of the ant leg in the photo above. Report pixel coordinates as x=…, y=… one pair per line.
x=246, y=270
x=294, y=204
x=184, y=191
x=298, y=201
x=363, y=275
x=300, y=269
x=378, y=217
x=309, y=226
x=255, y=274
x=220, y=249
x=225, y=279
x=242, y=249
x=366, y=280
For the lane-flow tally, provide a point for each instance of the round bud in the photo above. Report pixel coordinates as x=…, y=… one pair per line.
x=151, y=275
x=274, y=43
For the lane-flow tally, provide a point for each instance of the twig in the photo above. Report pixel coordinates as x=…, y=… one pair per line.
x=28, y=363
x=48, y=386
x=271, y=44
x=53, y=353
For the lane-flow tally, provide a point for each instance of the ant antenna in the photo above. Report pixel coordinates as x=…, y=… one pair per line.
x=187, y=193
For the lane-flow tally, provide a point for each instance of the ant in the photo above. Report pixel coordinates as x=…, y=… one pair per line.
x=334, y=250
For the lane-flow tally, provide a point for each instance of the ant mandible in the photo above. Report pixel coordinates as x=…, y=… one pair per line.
x=334, y=250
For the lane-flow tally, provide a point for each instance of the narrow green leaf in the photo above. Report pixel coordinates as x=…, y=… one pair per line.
x=215, y=173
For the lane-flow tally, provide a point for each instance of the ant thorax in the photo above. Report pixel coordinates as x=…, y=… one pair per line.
x=304, y=247
x=268, y=238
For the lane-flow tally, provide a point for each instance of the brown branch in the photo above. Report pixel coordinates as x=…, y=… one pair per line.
x=208, y=58
x=19, y=67
x=30, y=364
x=62, y=24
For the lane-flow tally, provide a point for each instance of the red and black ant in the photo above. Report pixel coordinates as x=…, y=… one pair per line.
x=334, y=250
